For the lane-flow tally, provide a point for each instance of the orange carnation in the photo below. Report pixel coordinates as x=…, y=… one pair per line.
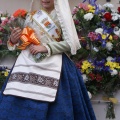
x=20, y=13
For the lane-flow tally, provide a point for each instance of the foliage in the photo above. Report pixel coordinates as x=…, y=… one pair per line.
x=4, y=71
x=98, y=28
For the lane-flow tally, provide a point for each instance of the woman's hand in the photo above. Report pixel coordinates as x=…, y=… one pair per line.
x=15, y=35
x=34, y=49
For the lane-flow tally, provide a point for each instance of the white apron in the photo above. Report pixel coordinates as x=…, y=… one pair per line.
x=35, y=80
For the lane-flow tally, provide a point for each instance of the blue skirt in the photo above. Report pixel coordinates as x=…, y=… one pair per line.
x=72, y=101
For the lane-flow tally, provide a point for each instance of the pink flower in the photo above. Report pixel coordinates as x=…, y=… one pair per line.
x=4, y=22
x=83, y=6
x=75, y=10
x=92, y=36
x=1, y=29
x=76, y=22
x=80, y=5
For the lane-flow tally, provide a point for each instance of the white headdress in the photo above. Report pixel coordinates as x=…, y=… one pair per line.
x=65, y=18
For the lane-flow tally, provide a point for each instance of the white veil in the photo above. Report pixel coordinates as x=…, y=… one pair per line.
x=65, y=18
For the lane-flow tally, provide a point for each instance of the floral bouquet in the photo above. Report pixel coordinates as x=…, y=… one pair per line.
x=98, y=28
x=19, y=16
x=7, y=22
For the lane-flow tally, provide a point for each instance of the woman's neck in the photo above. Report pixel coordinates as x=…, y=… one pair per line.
x=48, y=10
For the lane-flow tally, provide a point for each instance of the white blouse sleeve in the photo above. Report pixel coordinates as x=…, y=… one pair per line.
x=57, y=47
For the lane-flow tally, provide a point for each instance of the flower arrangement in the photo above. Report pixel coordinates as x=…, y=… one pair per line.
x=19, y=16
x=4, y=71
x=7, y=22
x=98, y=28
x=17, y=20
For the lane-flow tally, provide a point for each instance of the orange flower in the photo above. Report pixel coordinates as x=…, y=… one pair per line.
x=20, y=13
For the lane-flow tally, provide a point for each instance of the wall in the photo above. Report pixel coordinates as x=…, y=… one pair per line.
x=12, y=5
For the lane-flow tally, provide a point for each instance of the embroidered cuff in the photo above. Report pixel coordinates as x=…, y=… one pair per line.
x=48, y=48
x=11, y=46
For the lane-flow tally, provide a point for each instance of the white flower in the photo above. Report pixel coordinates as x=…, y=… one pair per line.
x=114, y=72
x=113, y=10
x=117, y=31
x=88, y=16
x=84, y=78
x=109, y=58
x=108, y=5
x=109, y=46
x=115, y=16
x=99, y=30
x=3, y=18
x=90, y=95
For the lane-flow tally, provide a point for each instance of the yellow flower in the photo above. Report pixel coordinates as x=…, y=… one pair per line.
x=84, y=67
x=6, y=73
x=91, y=8
x=112, y=65
x=92, y=11
x=110, y=37
x=112, y=68
x=104, y=36
x=86, y=63
x=117, y=65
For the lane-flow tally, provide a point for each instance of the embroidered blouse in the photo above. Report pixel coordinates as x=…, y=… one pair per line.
x=52, y=46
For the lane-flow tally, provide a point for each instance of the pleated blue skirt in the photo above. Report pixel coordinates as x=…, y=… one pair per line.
x=72, y=101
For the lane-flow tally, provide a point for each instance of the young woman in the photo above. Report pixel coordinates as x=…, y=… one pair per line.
x=44, y=83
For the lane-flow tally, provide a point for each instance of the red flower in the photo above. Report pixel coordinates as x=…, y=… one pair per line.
x=115, y=37
x=108, y=16
x=20, y=13
x=98, y=77
x=76, y=22
x=79, y=64
x=118, y=9
x=92, y=76
x=113, y=25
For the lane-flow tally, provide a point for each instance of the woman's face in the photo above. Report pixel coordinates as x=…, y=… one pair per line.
x=47, y=4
